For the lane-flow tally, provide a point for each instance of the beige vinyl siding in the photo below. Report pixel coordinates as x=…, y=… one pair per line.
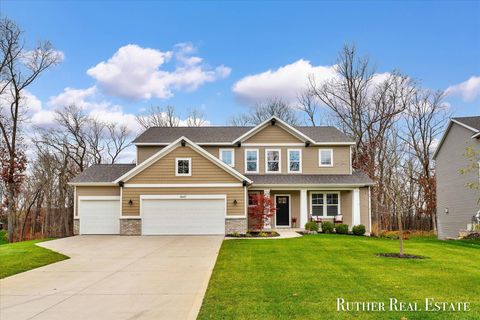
x=341, y=159
x=273, y=134
x=95, y=191
x=294, y=205
x=203, y=170
x=233, y=193
x=145, y=152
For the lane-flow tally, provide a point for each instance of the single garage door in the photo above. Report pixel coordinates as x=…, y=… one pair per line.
x=99, y=215
x=188, y=215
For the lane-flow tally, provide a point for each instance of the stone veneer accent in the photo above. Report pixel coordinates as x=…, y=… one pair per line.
x=130, y=227
x=235, y=225
x=76, y=227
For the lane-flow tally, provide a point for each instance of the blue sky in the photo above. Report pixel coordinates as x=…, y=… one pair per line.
x=437, y=43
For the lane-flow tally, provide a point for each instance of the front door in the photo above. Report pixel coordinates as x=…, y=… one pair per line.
x=282, y=204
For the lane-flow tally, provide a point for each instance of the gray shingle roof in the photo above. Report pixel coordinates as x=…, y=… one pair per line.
x=229, y=134
x=102, y=173
x=356, y=178
x=473, y=122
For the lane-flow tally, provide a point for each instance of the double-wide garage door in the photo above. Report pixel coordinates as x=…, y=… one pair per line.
x=189, y=215
x=160, y=215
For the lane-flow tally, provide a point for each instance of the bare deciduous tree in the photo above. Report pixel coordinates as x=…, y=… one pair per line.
x=264, y=110
x=157, y=116
x=307, y=104
x=19, y=68
x=196, y=118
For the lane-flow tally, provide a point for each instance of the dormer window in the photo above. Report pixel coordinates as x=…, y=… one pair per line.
x=325, y=157
x=228, y=156
x=183, y=167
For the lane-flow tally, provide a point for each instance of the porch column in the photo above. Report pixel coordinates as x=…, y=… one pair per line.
x=303, y=208
x=268, y=224
x=355, y=207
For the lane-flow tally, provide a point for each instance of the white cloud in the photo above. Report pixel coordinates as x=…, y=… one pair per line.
x=285, y=82
x=139, y=73
x=469, y=90
x=71, y=96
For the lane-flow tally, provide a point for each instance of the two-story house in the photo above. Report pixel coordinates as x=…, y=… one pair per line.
x=199, y=180
x=457, y=203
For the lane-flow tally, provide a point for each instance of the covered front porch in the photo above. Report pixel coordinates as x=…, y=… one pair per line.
x=297, y=206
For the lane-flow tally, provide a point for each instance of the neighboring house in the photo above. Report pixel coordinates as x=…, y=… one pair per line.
x=456, y=202
x=198, y=180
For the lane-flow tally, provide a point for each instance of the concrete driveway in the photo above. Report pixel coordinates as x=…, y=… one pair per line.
x=115, y=277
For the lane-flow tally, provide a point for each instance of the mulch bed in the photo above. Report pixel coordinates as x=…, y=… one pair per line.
x=269, y=234
x=397, y=255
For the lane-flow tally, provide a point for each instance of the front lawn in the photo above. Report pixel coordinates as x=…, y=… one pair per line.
x=302, y=278
x=22, y=256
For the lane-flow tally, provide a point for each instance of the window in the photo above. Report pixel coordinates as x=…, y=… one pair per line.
x=251, y=160
x=325, y=204
x=272, y=160
x=251, y=198
x=294, y=160
x=325, y=157
x=228, y=156
x=183, y=166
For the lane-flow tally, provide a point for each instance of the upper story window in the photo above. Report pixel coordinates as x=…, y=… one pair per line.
x=251, y=160
x=272, y=160
x=294, y=160
x=183, y=166
x=325, y=157
x=228, y=156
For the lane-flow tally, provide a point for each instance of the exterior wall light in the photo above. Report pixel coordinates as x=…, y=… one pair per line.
x=130, y=202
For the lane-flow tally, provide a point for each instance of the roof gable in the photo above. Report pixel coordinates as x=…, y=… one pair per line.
x=272, y=121
x=273, y=134
x=174, y=145
x=460, y=122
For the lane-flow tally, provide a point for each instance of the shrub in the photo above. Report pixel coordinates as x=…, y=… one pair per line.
x=311, y=226
x=263, y=234
x=3, y=237
x=327, y=227
x=473, y=236
x=341, y=228
x=476, y=227
x=359, y=230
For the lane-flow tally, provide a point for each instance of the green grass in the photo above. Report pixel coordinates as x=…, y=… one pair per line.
x=22, y=256
x=302, y=278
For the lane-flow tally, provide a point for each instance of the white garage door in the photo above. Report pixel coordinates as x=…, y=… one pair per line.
x=183, y=215
x=99, y=215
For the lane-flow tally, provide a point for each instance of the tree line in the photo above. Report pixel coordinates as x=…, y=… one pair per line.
x=394, y=122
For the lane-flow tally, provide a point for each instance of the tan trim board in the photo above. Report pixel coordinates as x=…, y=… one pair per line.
x=92, y=184
x=183, y=185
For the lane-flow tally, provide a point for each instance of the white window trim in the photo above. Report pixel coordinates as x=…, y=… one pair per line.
x=248, y=199
x=324, y=215
x=300, y=160
x=258, y=160
x=279, y=161
x=189, y=167
x=233, y=155
x=320, y=158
